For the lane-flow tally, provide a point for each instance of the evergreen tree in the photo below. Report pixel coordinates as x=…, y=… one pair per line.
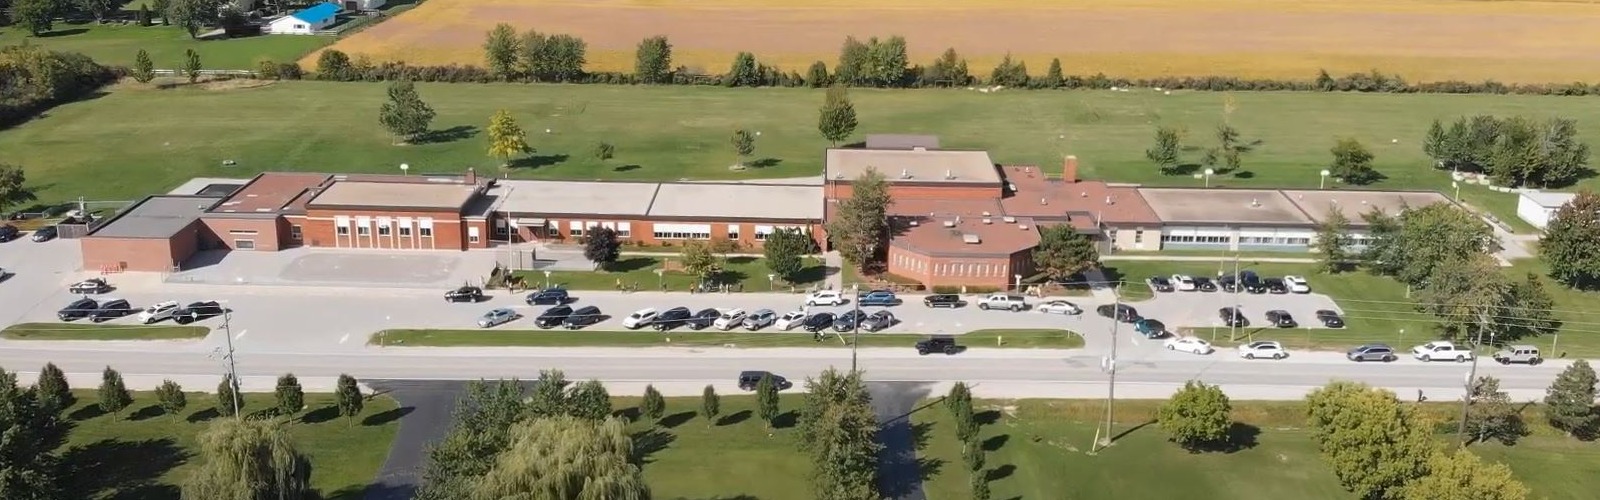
x=191, y=65
x=171, y=397
x=247, y=459
x=1491, y=414
x=290, y=396
x=506, y=138
x=405, y=115
x=228, y=399
x=860, y=227
x=27, y=468
x=1569, y=401
x=837, y=117
x=114, y=396
x=143, y=67
x=143, y=17
x=1052, y=77
x=959, y=402
x=550, y=396
x=767, y=399
x=743, y=73
x=1009, y=73
x=481, y=430
x=54, y=395
x=348, y=397
x=1570, y=247
x=653, y=61
x=710, y=405
x=817, y=75
x=1333, y=241
x=160, y=8
x=652, y=406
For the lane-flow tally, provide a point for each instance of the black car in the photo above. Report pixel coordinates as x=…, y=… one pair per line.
x=588, y=315
x=1251, y=282
x=1204, y=284
x=111, y=309
x=1159, y=284
x=549, y=297
x=1276, y=286
x=1232, y=317
x=847, y=321
x=703, y=319
x=817, y=322
x=671, y=318
x=9, y=232
x=553, y=317
x=46, y=233
x=942, y=344
x=1229, y=283
x=464, y=294
x=749, y=379
x=197, y=311
x=1119, y=312
x=949, y=300
x=1281, y=318
x=80, y=308
x=1330, y=319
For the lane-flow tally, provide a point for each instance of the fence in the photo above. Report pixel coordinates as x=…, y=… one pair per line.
x=207, y=72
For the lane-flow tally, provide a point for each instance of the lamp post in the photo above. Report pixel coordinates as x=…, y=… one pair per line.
x=1209, y=173
x=1457, y=186
x=771, y=285
x=547, y=279
x=661, y=279
x=404, y=168
x=1323, y=182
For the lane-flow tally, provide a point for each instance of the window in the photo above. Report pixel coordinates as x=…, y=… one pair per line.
x=733, y=233
x=294, y=232
x=575, y=228
x=472, y=234
x=683, y=231
x=425, y=232
x=1184, y=238
x=405, y=231
x=383, y=230
x=363, y=231
x=553, y=231
x=244, y=244
x=341, y=230
x=624, y=230
x=1138, y=236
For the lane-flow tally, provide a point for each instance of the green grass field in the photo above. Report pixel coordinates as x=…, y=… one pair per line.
x=750, y=273
x=686, y=456
x=118, y=44
x=1007, y=338
x=666, y=133
x=143, y=454
x=71, y=331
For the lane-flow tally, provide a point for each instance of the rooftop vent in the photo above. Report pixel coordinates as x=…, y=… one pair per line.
x=986, y=214
x=949, y=175
x=1083, y=194
x=1023, y=227
x=1042, y=201
x=987, y=220
x=905, y=173
x=1009, y=219
x=1110, y=201
x=913, y=223
x=971, y=239
x=251, y=195
x=949, y=224
x=839, y=175
x=918, y=148
x=1255, y=203
x=263, y=210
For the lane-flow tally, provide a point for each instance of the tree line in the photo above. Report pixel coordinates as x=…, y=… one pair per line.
x=1515, y=152
x=33, y=79
x=39, y=16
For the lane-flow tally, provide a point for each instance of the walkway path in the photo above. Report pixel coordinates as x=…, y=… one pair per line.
x=833, y=266
x=1100, y=286
x=899, y=471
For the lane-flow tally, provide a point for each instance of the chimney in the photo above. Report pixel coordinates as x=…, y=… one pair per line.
x=1069, y=171
x=472, y=176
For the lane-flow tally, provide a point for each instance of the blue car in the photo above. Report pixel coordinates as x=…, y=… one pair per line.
x=879, y=298
x=1151, y=329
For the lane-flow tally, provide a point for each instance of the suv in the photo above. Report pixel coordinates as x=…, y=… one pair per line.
x=949, y=300
x=817, y=322
x=1232, y=317
x=464, y=294
x=1281, y=318
x=1228, y=282
x=9, y=232
x=824, y=298
x=588, y=315
x=1003, y=301
x=1441, y=350
x=111, y=309
x=549, y=297
x=1371, y=352
x=639, y=319
x=158, y=312
x=553, y=317
x=728, y=319
x=789, y=320
x=749, y=379
x=80, y=308
x=1183, y=283
x=1252, y=282
x=1518, y=354
x=878, y=321
x=1204, y=284
x=703, y=319
x=670, y=318
x=879, y=298
x=1120, y=312
x=1330, y=319
x=932, y=345
x=197, y=311
x=1276, y=286
x=1159, y=284
x=848, y=320
x=759, y=319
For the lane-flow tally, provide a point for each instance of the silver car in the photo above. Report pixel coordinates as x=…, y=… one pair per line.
x=760, y=319
x=497, y=317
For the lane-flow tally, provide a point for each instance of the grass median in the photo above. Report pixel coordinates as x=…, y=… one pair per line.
x=1005, y=338
x=69, y=331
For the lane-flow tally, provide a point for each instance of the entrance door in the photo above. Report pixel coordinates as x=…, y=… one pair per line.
x=352, y=6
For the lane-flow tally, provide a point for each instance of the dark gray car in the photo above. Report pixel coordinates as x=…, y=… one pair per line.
x=1371, y=352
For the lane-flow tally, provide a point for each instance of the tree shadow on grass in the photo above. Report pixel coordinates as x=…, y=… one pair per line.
x=1000, y=472
x=625, y=168
x=674, y=420
x=927, y=467
x=650, y=441
x=62, y=33
x=786, y=420
x=765, y=163
x=147, y=413
x=320, y=415
x=388, y=416
x=630, y=264
x=451, y=134
x=1240, y=437
x=996, y=442
x=986, y=417
x=86, y=412
x=203, y=415
x=629, y=414
x=1244, y=174
x=735, y=418
x=537, y=161
x=119, y=467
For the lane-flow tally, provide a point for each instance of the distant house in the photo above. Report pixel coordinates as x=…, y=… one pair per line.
x=305, y=22
x=1537, y=207
x=364, y=5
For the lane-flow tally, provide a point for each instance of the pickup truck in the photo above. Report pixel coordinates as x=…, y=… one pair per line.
x=1003, y=301
x=1440, y=350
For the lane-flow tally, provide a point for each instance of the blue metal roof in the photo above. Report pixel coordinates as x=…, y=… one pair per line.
x=317, y=14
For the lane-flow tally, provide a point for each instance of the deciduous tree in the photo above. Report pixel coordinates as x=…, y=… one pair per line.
x=1462, y=294
x=565, y=458
x=604, y=150
x=698, y=259
x=289, y=395
x=1164, y=153
x=744, y=145
x=192, y=15
x=652, y=406
x=242, y=459
x=160, y=8
x=601, y=246
x=837, y=117
x=838, y=430
x=1352, y=162
x=171, y=397
x=228, y=400
x=942, y=72
x=405, y=115
x=854, y=63
x=817, y=75
x=743, y=72
x=767, y=399
x=114, y=395
x=710, y=405
x=14, y=189
x=1063, y=252
x=860, y=226
x=1435, y=234
x=27, y=467
x=1374, y=444
x=36, y=16
x=143, y=15
x=784, y=249
x=1570, y=246
x=1231, y=147
x=886, y=61
x=99, y=8
x=481, y=431
x=1196, y=417
x=500, y=51
x=1491, y=415
x=653, y=60
x=334, y=65
x=1569, y=401
x=590, y=400
x=1384, y=253
x=1462, y=475
x=143, y=67
x=348, y=397
x=1527, y=310
x=1333, y=241
x=54, y=394
x=191, y=65
x=506, y=137
x=564, y=57
x=550, y=396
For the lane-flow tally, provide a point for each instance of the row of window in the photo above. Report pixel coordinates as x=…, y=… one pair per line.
x=952, y=269
x=405, y=231
x=1273, y=240
x=1180, y=238
x=663, y=231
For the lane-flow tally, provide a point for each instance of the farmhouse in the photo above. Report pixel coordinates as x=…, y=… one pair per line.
x=305, y=22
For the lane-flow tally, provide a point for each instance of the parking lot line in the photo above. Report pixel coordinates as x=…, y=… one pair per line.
x=345, y=338
x=241, y=334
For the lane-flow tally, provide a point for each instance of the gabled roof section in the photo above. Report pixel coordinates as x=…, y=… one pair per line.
x=318, y=13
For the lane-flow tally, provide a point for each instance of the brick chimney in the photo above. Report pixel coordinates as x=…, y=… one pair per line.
x=1069, y=171
x=472, y=176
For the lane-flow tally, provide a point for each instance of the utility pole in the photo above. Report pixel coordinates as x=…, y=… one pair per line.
x=1233, y=326
x=1472, y=375
x=233, y=369
x=1111, y=385
x=855, y=324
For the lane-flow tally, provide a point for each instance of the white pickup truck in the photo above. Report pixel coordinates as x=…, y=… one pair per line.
x=1441, y=350
x=1003, y=301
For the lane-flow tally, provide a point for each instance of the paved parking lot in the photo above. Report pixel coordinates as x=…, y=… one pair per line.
x=1199, y=309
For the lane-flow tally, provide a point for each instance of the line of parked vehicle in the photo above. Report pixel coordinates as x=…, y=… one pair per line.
x=106, y=309
x=1246, y=281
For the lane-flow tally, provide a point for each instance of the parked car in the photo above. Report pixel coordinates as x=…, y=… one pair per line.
x=1159, y=284
x=110, y=309
x=197, y=311
x=1251, y=282
x=825, y=298
x=1232, y=317
x=949, y=300
x=1194, y=345
x=90, y=286
x=1370, y=352
x=1281, y=319
x=748, y=380
x=817, y=322
x=729, y=319
x=942, y=344
x=639, y=319
x=672, y=318
x=702, y=319
x=549, y=297
x=80, y=308
x=1441, y=350
x=848, y=320
x=553, y=317
x=584, y=316
x=1518, y=354
x=1263, y=349
x=1297, y=284
x=1151, y=329
x=46, y=233
x=878, y=321
x=1183, y=283
x=497, y=317
x=1058, y=307
x=1004, y=301
x=9, y=232
x=759, y=319
x=1330, y=319
x=864, y=293
x=1204, y=284
x=158, y=312
x=789, y=320
x=1275, y=286
x=1229, y=283
x=1120, y=312
x=879, y=298
x=464, y=294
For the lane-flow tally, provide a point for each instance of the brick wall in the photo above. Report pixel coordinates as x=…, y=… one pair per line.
x=405, y=230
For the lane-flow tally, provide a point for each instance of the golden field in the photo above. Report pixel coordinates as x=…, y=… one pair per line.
x=1423, y=40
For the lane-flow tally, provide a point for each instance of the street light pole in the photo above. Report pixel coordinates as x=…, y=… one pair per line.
x=855, y=323
x=1208, y=173
x=1111, y=369
x=1322, y=183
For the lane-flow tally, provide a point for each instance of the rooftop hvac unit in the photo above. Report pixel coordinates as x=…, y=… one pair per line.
x=971, y=239
x=913, y=223
x=987, y=220
x=985, y=214
x=949, y=224
x=1009, y=219
x=1023, y=227
x=949, y=175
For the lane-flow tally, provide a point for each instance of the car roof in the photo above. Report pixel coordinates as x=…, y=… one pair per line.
x=647, y=310
x=587, y=308
x=764, y=311
x=501, y=310
x=1522, y=346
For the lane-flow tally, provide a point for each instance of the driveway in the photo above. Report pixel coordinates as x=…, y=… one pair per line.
x=899, y=471
x=326, y=267
x=427, y=412
x=33, y=273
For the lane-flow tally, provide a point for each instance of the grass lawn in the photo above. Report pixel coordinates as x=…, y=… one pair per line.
x=145, y=455
x=669, y=133
x=748, y=272
x=71, y=331
x=1009, y=338
x=738, y=458
x=1038, y=449
x=118, y=44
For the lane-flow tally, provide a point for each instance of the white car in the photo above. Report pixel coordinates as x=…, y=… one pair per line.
x=730, y=318
x=158, y=312
x=1441, y=350
x=1189, y=344
x=1263, y=349
x=1059, y=307
x=825, y=298
x=790, y=319
x=1183, y=283
x=639, y=319
x=1297, y=284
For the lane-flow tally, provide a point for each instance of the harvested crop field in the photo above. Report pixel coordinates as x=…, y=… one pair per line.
x=1423, y=40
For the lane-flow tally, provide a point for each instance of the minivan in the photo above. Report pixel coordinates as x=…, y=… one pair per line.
x=588, y=315
x=553, y=317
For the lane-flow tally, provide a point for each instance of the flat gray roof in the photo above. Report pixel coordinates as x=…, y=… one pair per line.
x=1353, y=204
x=395, y=195
x=899, y=165
x=746, y=201
x=1223, y=206
x=1550, y=200
x=159, y=216
x=197, y=184
x=568, y=197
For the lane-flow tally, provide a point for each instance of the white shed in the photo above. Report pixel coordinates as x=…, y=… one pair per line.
x=305, y=22
x=1537, y=207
